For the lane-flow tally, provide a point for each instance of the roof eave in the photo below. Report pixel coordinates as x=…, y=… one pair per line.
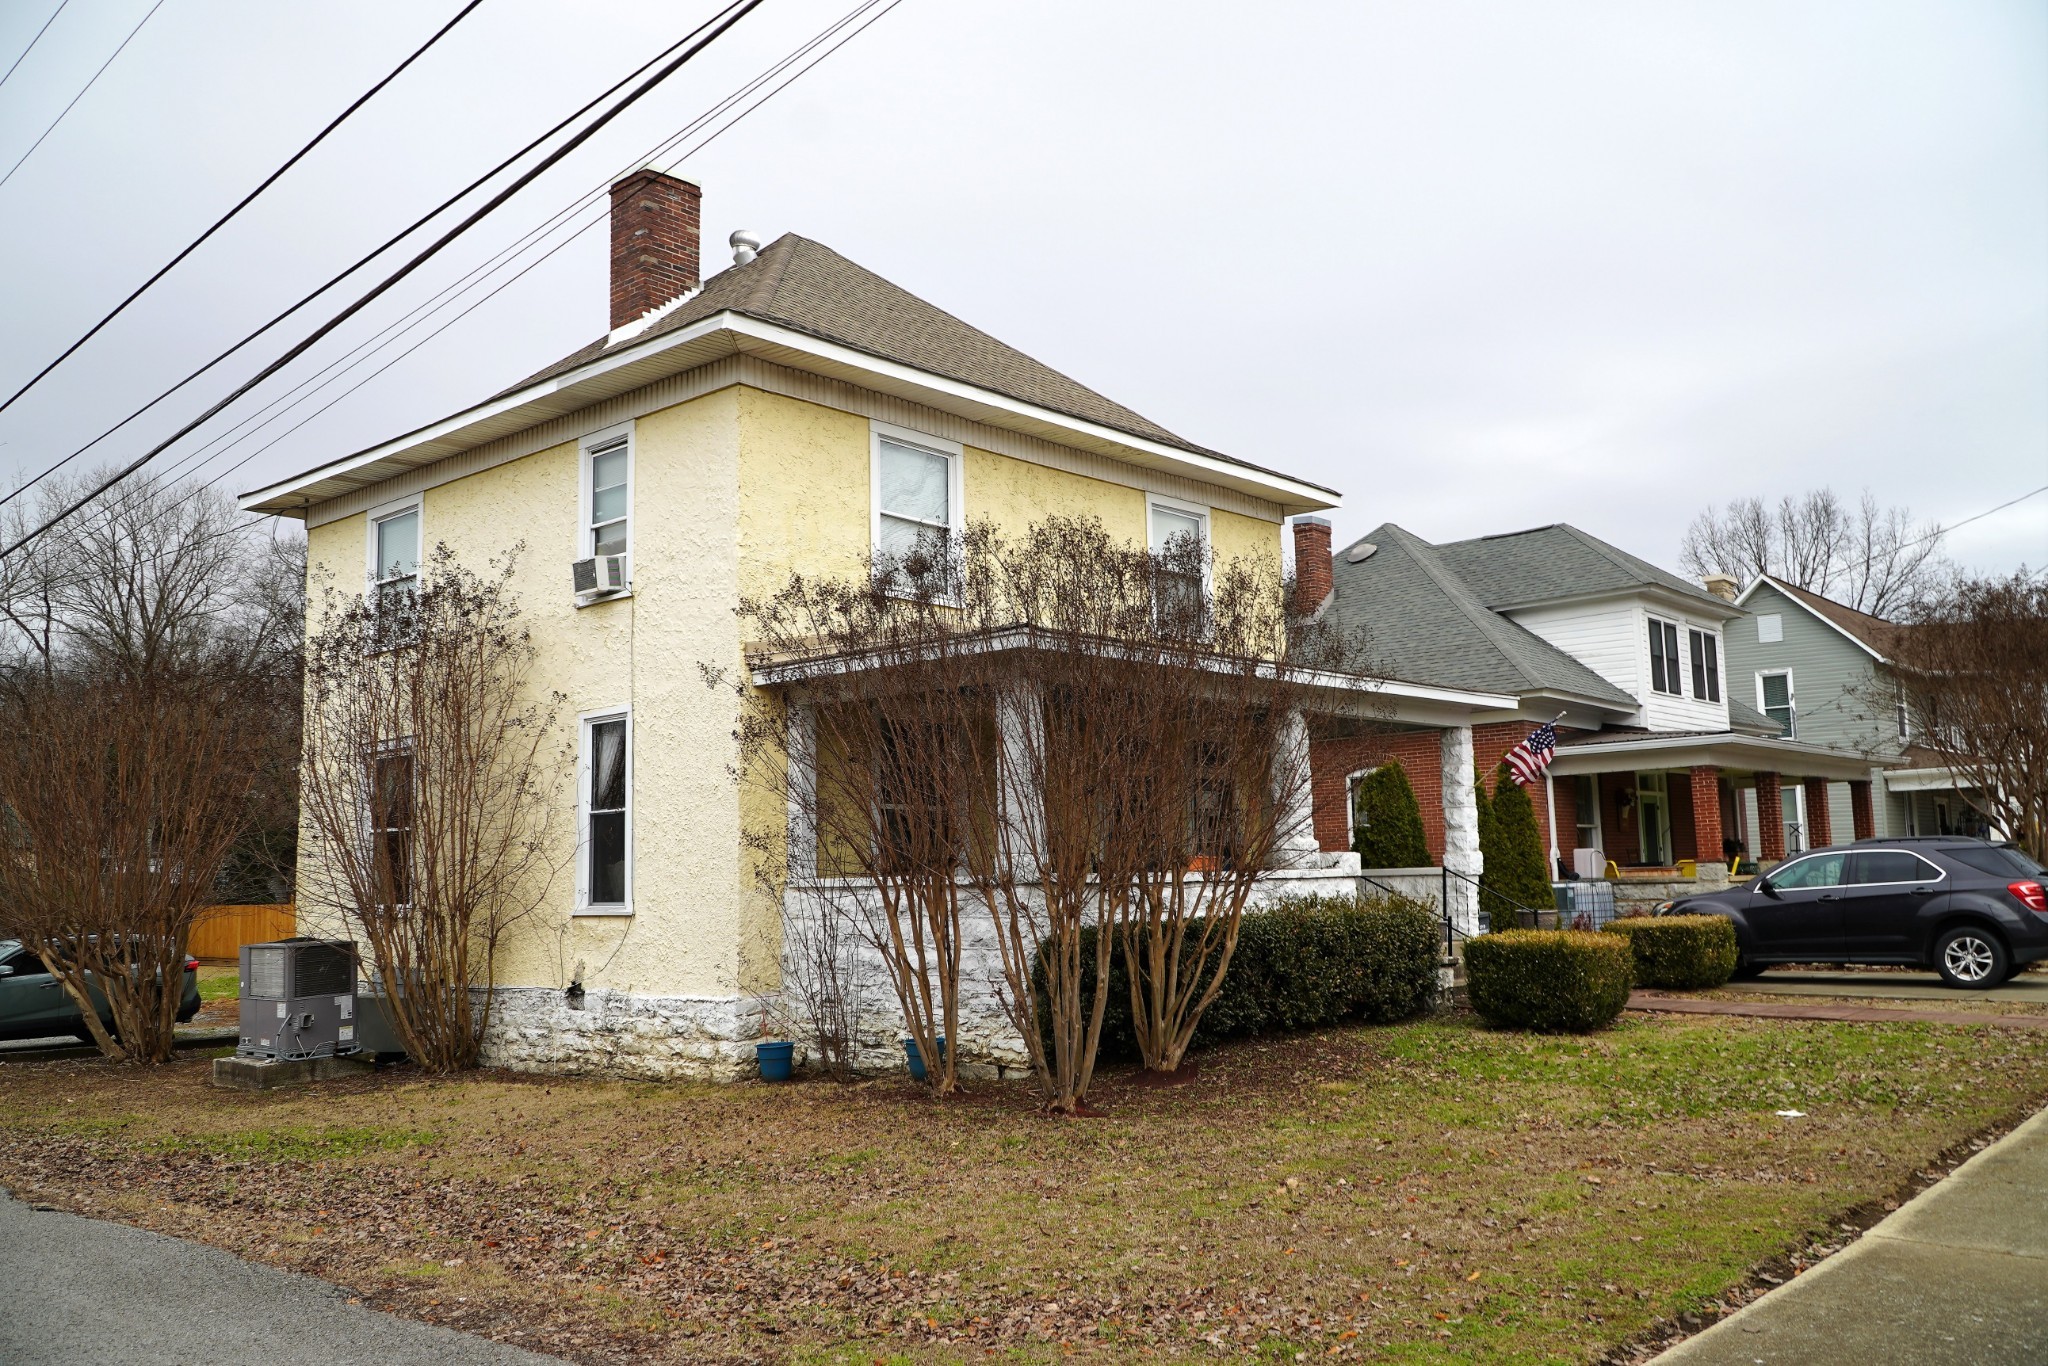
x=1823, y=618
x=729, y=333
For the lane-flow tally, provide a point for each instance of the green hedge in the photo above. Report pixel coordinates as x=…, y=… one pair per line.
x=1304, y=962
x=1552, y=980
x=1388, y=820
x=1682, y=952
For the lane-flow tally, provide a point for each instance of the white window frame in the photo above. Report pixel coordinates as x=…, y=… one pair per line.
x=1674, y=687
x=373, y=833
x=956, y=460
x=584, y=722
x=375, y=517
x=1770, y=628
x=1791, y=698
x=586, y=456
x=1202, y=513
x=1579, y=809
x=1351, y=782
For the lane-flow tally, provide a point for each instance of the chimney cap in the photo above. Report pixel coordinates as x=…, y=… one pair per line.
x=1723, y=586
x=745, y=246
x=1311, y=521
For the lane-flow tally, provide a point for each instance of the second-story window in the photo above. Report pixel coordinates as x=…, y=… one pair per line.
x=1706, y=667
x=917, y=500
x=610, y=508
x=1181, y=537
x=1774, y=697
x=1664, y=665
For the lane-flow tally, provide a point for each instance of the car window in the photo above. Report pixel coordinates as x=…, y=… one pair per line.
x=1890, y=865
x=1999, y=860
x=1822, y=870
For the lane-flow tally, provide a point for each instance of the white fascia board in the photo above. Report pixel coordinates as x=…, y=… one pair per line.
x=1923, y=780
x=1296, y=495
x=1818, y=616
x=1703, y=606
x=1731, y=749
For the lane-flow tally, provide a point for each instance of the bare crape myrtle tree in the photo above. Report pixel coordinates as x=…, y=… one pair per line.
x=1023, y=739
x=431, y=776
x=148, y=710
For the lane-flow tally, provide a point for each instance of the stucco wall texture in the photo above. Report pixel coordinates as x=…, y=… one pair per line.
x=732, y=492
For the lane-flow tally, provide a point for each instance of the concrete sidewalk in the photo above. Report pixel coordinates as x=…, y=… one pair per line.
x=83, y=1292
x=1826, y=1010
x=2030, y=988
x=1957, y=1277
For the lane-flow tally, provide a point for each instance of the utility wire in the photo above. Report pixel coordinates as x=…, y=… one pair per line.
x=372, y=255
x=1945, y=530
x=80, y=95
x=660, y=149
x=246, y=200
x=37, y=39
x=718, y=28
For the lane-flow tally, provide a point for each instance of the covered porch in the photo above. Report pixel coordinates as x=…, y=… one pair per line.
x=1699, y=806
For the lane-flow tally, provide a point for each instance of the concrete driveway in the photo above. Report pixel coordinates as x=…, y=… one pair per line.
x=2029, y=987
x=82, y=1292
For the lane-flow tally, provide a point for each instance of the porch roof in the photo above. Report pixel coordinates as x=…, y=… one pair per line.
x=1727, y=749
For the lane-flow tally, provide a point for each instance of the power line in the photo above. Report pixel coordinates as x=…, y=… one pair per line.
x=1945, y=530
x=372, y=255
x=37, y=39
x=81, y=94
x=660, y=149
x=246, y=199
x=718, y=28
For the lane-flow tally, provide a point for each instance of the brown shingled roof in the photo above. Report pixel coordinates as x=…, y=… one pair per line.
x=808, y=287
x=1879, y=634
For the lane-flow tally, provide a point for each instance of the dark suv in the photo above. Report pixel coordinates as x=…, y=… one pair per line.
x=1975, y=912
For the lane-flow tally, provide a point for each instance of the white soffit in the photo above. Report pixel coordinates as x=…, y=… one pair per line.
x=727, y=334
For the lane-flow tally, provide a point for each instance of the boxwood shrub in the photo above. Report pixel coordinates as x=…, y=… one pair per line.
x=1303, y=962
x=1567, y=981
x=1682, y=952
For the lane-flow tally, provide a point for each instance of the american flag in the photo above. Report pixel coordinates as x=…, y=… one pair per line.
x=1533, y=755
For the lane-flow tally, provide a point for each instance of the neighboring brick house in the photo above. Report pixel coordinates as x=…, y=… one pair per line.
x=1823, y=670
x=1656, y=761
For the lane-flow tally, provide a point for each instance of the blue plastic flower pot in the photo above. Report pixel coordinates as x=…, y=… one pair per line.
x=916, y=1059
x=775, y=1059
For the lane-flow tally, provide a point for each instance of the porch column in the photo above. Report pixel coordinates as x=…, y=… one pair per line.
x=1861, y=816
x=1461, y=829
x=802, y=832
x=1294, y=844
x=1706, y=814
x=1820, y=825
x=1770, y=818
x=1020, y=721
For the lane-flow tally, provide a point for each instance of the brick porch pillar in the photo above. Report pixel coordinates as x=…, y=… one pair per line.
x=1706, y=814
x=1770, y=819
x=1861, y=815
x=1820, y=826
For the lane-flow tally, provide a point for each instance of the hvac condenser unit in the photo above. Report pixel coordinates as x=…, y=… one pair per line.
x=298, y=999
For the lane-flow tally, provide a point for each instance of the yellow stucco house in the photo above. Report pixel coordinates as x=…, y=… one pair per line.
x=789, y=413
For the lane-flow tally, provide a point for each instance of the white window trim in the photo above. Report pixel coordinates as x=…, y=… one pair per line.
x=1793, y=813
x=956, y=460
x=1791, y=697
x=1720, y=666
x=585, y=545
x=384, y=513
x=1351, y=782
x=1201, y=511
x=371, y=832
x=584, y=722
x=1650, y=658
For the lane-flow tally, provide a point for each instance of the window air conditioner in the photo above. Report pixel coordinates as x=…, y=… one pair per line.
x=600, y=576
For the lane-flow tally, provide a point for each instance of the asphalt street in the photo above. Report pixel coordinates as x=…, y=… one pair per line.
x=83, y=1292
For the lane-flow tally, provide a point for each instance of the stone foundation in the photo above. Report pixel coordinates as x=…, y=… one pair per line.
x=618, y=1034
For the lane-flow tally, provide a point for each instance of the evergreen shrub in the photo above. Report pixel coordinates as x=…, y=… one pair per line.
x=1392, y=834
x=1680, y=952
x=1555, y=981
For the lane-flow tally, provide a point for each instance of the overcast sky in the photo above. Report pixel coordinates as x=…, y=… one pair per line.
x=1478, y=266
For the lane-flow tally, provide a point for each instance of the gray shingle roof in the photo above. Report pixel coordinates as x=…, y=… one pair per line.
x=1559, y=561
x=803, y=285
x=1423, y=624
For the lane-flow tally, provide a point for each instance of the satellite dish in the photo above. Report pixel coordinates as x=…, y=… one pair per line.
x=1362, y=551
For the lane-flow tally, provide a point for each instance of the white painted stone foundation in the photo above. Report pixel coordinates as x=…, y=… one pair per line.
x=618, y=1034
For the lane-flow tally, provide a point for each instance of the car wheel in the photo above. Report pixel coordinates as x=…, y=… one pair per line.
x=1971, y=958
x=1745, y=969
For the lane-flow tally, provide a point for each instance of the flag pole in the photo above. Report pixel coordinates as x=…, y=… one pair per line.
x=1550, y=803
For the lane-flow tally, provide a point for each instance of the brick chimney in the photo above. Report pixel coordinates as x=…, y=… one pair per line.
x=1313, y=577
x=654, y=242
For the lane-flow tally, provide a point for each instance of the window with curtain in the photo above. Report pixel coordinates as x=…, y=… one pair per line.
x=916, y=500
x=1706, y=667
x=391, y=827
x=610, y=468
x=605, y=814
x=1664, y=667
x=396, y=545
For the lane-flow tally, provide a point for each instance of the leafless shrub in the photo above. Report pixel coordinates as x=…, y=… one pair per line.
x=1075, y=731
x=1972, y=668
x=431, y=780
x=120, y=797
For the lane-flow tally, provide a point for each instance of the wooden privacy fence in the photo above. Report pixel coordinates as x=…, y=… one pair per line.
x=221, y=931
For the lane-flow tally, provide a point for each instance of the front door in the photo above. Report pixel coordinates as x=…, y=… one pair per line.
x=1887, y=891
x=1796, y=911
x=1653, y=819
